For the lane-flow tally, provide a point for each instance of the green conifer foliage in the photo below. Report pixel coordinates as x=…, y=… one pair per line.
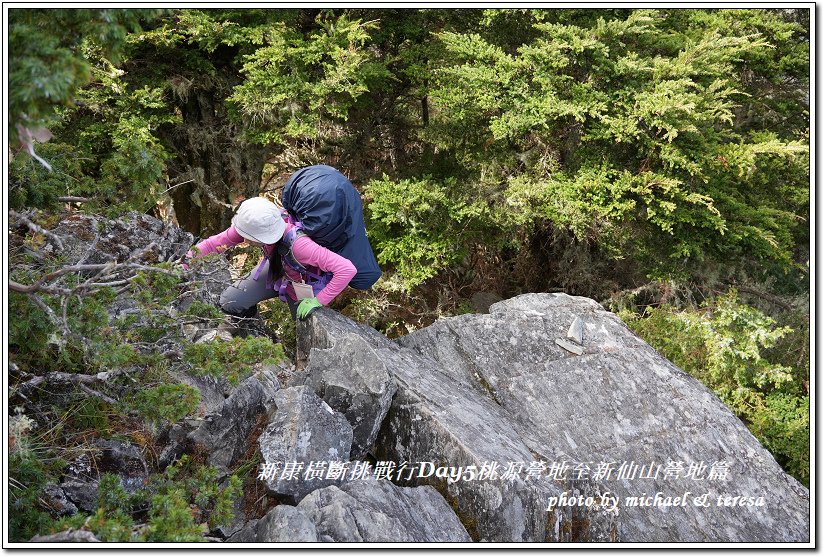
x=629, y=123
x=47, y=56
x=724, y=345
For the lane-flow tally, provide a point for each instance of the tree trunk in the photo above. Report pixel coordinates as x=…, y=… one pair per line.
x=210, y=152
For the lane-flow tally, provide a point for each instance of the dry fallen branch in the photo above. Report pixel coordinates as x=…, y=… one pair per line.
x=61, y=377
x=96, y=394
x=105, y=270
x=775, y=300
x=37, y=229
x=44, y=306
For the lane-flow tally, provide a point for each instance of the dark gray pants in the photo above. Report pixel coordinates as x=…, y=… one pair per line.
x=241, y=298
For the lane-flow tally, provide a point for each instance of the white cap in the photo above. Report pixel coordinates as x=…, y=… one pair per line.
x=259, y=220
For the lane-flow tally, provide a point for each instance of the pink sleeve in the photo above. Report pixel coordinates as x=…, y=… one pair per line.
x=219, y=242
x=307, y=252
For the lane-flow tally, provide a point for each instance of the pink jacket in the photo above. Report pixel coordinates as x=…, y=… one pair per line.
x=306, y=251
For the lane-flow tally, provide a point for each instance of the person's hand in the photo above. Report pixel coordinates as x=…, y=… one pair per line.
x=184, y=262
x=307, y=306
x=182, y=272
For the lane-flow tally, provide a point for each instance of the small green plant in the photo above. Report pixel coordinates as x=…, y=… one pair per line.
x=91, y=414
x=279, y=318
x=32, y=185
x=156, y=288
x=27, y=476
x=232, y=359
x=204, y=310
x=112, y=521
x=114, y=355
x=26, y=482
x=166, y=403
x=30, y=333
x=782, y=423
x=184, y=503
x=465, y=306
x=107, y=526
x=188, y=501
x=75, y=335
x=171, y=520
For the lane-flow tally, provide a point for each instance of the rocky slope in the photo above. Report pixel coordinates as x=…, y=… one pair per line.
x=545, y=420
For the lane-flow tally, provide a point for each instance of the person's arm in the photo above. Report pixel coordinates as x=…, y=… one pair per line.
x=307, y=252
x=219, y=242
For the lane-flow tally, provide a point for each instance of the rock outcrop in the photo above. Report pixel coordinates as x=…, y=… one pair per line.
x=289, y=422
x=437, y=421
x=81, y=480
x=225, y=430
x=304, y=432
x=661, y=458
x=375, y=511
x=283, y=524
x=356, y=385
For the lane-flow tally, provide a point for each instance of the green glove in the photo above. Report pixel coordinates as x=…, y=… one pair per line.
x=307, y=306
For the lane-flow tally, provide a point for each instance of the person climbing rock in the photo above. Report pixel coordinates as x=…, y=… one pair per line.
x=313, y=248
x=284, y=268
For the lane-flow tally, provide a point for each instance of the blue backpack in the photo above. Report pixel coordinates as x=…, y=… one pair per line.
x=323, y=204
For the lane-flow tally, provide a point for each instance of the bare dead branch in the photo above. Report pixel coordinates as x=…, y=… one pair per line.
x=97, y=394
x=32, y=383
x=71, y=199
x=30, y=288
x=764, y=296
x=64, y=308
x=36, y=228
x=61, y=377
x=34, y=255
x=46, y=309
x=104, y=270
x=111, y=284
x=170, y=188
x=150, y=268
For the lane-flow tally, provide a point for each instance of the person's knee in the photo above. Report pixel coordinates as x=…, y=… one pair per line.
x=232, y=305
x=235, y=311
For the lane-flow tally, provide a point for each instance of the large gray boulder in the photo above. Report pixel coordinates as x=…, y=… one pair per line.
x=438, y=421
x=371, y=510
x=622, y=410
x=225, y=431
x=304, y=432
x=357, y=384
x=283, y=524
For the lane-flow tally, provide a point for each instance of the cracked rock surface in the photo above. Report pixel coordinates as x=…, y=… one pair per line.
x=622, y=404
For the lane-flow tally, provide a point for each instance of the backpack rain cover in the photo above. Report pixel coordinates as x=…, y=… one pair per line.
x=331, y=211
